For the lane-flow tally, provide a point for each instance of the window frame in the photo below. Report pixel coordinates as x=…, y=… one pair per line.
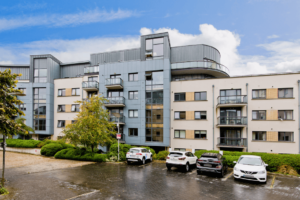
x=133, y=77
x=64, y=123
x=179, y=133
x=134, y=111
x=179, y=115
x=38, y=76
x=257, y=114
x=76, y=89
x=180, y=149
x=76, y=107
x=200, y=115
x=292, y=136
x=133, y=94
x=61, y=92
x=180, y=93
x=200, y=134
x=286, y=114
x=23, y=90
x=258, y=93
x=62, y=105
x=286, y=89
x=200, y=96
x=259, y=132
x=133, y=135
x=22, y=106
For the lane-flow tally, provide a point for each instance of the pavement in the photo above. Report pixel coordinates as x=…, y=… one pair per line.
x=150, y=181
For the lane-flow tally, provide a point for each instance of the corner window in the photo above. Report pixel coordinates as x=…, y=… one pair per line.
x=154, y=48
x=179, y=134
x=23, y=90
x=179, y=97
x=200, y=114
x=200, y=96
x=61, y=92
x=179, y=115
x=133, y=132
x=61, y=123
x=133, y=77
x=285, y=136
x=133, y=113
x=75, y=92
x=61, y=108
x=200, y=134
x=285, y=93
x=75, y=108
x=259, y=115
x=40, y=75
x=285, y=114
x=259, y=94
x=133, y=95
x=259, y=135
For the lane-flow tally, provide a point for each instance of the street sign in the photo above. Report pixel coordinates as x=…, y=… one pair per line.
x=118, y=136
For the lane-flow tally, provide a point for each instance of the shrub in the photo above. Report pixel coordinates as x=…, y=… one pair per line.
x=3, y=191
x=22, y=143
x=61, y=142
x=162, y=155
x=51, y=149
x=80, y=154
x=124, y=148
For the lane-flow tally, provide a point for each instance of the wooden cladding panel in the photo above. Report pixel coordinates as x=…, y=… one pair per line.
x=190, y=115
x=272, y=93
x=189, y=96
x=189, y=134
x=68, y=122
x=272, y=114
x=272, y=136
x=190, y=150
x=68, y=108
x=69, y=92
x=159, y=106
x=156, y=125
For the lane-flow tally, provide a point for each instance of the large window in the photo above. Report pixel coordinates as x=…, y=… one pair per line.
x=285, y=114
x=40, y=75
x=259, y=94
x=61, y=92
x=22, y=106
x=133, y=113
x=179, y=134
x=200, y=114
x=61, y=108
x=133, y=132
x=23, y=90
x=115, y=93
x=200, y=96
x=75, y=108
x=259, y=115
x=179, y=97
x=259, y=135
x=179, y=115
x=233, y=92
x=75, y=92
x=285, y=93
x=61, y=123
x=39, y=109
x=285, y=136
x=200, y=134
x=92, y=78
x=133, y=77
x=154, y=48
x=133, y=95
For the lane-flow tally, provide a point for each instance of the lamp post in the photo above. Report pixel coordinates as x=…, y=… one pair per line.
x=117, y=115
x=4, y=137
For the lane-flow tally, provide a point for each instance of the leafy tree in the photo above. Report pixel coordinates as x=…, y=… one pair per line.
x=20, y=120
x=92, y=126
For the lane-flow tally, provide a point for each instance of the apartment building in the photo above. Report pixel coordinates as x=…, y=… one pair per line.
x=167, y=97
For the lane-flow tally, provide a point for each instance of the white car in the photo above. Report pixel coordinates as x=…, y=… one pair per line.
x=138, y=155
x=181, y=159
x=250, y=168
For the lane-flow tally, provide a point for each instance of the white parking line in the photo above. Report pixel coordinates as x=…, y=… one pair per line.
x=273, y=181
x=164, y=168
x=224, y=179
x=83, y=194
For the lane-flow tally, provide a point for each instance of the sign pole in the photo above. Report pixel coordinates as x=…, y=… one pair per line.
x=118, y=138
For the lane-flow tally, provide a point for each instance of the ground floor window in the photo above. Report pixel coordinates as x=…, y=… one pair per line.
x=133, y=132
x=285, y=136
x=179, y=134
x=259, y=135
x=179, y=149
x=200, y=134
x=43, y=137
x=154, y=135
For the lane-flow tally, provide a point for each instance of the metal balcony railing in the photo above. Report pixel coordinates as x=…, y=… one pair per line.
x=115, y=100
x=232, y=120
x=112, y=118
x=90, y=84
x=236, y=99
x=113, y=81
x=234, y=142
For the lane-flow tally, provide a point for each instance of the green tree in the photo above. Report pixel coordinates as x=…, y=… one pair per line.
x=27, y=129
x=92, y=126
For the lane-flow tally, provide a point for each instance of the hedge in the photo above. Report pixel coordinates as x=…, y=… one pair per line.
x=80, y=154
x=273, y=160
x=22, y=143
x=162, y=155
x=61, y=142
x=124, y=148
x=51, y=149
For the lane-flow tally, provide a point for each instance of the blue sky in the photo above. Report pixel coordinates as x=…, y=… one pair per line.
x=258, y=35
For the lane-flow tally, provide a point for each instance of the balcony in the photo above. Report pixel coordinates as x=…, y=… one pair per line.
x=114, y=119
x=94, y=69
x=232, y=121
x=90, y=85
x=114, y=83
x=232, y=101
x=232, y=142
x=115, y=102
x=155, y=101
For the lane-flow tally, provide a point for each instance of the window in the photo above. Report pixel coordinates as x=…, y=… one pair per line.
x=40, y=75
x=200, y=114
x=154, y=48
x=73, y=121
x=39, y=93
x=259, y=94
x=179, y=97
x=39, y=109
x=92, y=78
x=61, y=108
x=133, y=113
x=75, y=92
x=285, y=136
x=285, y=114
x=115, y=76
x=22, y=106
x=226, y=93
x=23, y=90
x=259, y=115
x=179, y=134
x=133, y=77
x=61, y=123
x=179, y=149
x=200, y=96
x=179, y=115
x=75, y=108
x=133, y=132
x=285, y=93
x=200, y=134
x=259, y=135
x=61, y=92
x=40, y=124
x=133, y=95
x=158, y=116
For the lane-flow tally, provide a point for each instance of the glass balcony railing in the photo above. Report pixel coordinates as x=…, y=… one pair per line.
x=112, y=118
x=115, y=100
x=90, y=84
x=155, y=101
x=93, y=69
x=236, y=99
x=113, y=81
x=234, y=142
x=200, y=64
x=232, y=120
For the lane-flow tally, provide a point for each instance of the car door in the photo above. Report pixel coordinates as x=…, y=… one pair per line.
x=145, y=152
x=189, y=154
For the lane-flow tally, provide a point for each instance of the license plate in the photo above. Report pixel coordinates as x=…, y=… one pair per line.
x=248, y=176
x=174, y=159
x=207, y=165
x=132, y=156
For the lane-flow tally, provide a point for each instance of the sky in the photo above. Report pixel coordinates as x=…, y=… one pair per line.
x=253, y=36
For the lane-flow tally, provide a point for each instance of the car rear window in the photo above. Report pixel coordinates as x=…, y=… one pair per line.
x=210, y=155
x=175, y=154
x=134, y=151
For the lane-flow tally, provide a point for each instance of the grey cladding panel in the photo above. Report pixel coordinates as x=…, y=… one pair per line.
x=73, y=70
x=18, y=70
x=40, y=63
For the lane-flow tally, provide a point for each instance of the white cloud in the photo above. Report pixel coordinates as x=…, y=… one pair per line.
x=90, y=16
x=273, y=36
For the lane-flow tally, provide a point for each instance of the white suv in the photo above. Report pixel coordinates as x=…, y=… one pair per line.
x=138, y=155
x=181, y=159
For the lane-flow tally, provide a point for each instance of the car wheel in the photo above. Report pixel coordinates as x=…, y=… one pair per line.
x=143, y=161
x=222, y=173
x=187, y=167
x=169, y=167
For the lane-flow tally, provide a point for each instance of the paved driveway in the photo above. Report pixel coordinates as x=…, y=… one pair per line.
x=152, y=181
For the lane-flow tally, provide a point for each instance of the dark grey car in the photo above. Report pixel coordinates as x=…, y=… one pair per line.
x=211, y=162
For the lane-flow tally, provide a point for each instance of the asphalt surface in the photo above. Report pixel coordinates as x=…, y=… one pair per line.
x=151, y=181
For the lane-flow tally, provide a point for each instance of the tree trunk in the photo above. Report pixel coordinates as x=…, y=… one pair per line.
x=92, y=148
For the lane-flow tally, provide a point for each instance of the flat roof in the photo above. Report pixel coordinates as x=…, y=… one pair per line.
x=15, y=65
x=76, y=63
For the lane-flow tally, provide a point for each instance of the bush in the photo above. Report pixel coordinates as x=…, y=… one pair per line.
x=80, y=154
x=51, y=149
x=22, y=143
x=162, y=155
x=3, y=191
x=61, y=142
x=124, y=148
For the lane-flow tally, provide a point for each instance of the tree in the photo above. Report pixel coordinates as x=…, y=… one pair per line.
x=92, y=126
x=20, y=120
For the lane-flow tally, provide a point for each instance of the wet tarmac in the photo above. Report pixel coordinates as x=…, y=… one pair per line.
x=151, y=181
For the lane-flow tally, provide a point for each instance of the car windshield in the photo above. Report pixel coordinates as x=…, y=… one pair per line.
x=250, y=161
x=134, y=150
x=175, y=154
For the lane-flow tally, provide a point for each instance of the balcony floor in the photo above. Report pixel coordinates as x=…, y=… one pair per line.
x=90, y=89
x=231, y=125
x=114, y=105
x=231, y=105
x=114, y=86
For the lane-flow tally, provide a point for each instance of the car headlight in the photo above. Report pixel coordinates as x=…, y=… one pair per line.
x=236, y=169
x=262, y=172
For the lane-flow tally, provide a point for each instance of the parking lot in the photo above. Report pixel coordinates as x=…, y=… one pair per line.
x=121, y=181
